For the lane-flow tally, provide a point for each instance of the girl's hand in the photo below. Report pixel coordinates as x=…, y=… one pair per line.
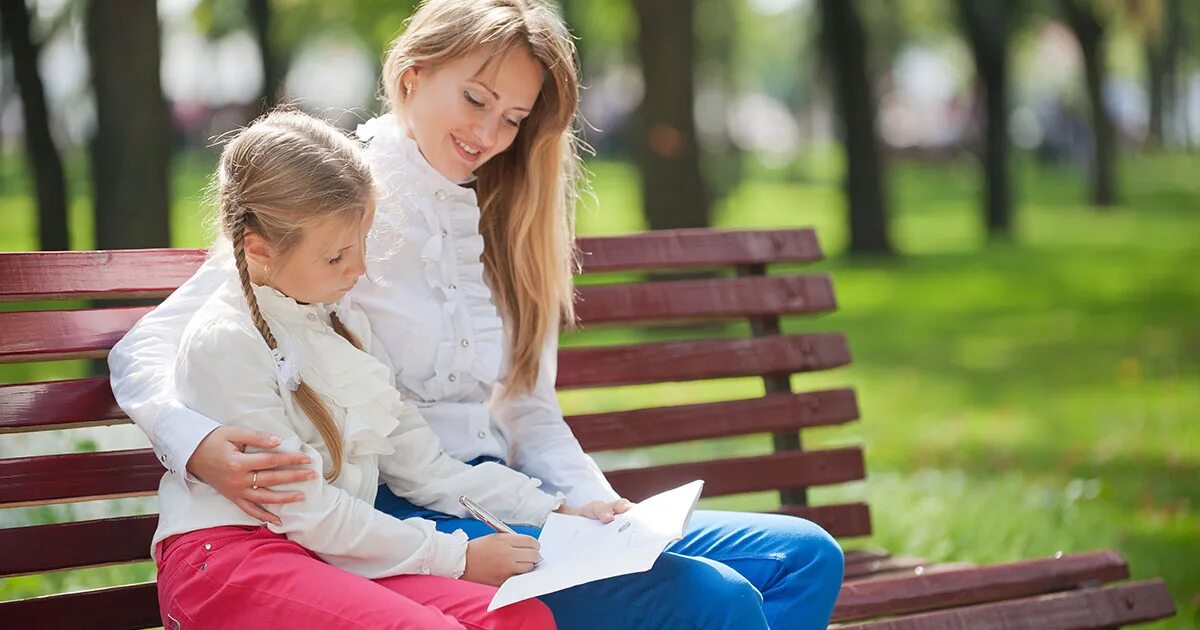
x=220, y=462
x=497, y=557
x=602, y=511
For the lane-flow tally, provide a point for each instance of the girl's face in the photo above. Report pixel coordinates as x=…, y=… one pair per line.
x=463, y=114
x=322, y=267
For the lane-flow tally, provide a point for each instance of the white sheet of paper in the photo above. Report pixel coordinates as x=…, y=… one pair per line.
x=577, y=550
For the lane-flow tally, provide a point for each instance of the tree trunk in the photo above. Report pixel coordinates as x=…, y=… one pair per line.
x=49, y=181
x=674, y=194
x=572, y=14
x=987, y=29
x=273, y=71
x=1155, y=86
x=1090, y=32
x=845, y=49
x=721, y=160
x=131, y=150
x=1172, y=42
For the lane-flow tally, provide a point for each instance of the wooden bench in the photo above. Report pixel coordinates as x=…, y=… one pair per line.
x=1078, y=590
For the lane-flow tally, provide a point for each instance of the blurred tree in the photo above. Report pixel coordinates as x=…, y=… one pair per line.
x=49, y=181
x=218, y=18
x=1159, y=23
x=674, y=194
x=573, y=14
x=844, y=46
x=988, y=27
x=606, y=38
x=280, y=34
x=717, y=70
x=274, y=68
x=1086, y=20
x=130, y=151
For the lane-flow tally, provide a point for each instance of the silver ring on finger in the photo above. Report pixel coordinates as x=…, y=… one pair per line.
x=254, y=480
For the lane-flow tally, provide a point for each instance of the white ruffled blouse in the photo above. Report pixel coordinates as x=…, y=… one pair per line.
x=224, y=369
x=429, y=303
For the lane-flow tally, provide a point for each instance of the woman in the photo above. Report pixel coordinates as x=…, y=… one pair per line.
x=468, y=278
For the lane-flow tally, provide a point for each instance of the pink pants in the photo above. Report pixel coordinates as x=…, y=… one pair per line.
x=248, y=577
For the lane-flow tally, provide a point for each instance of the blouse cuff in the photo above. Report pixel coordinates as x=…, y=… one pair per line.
x=178, y=431
x=449, y=557
x=539, y=507
x=591, y=486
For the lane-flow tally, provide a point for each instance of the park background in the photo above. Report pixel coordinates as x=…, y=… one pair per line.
x=1008, y=194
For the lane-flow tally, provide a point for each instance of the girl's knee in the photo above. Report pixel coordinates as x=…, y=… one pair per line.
x=530, y=614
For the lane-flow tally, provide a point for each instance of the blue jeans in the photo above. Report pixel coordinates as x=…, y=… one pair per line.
x=732, y=570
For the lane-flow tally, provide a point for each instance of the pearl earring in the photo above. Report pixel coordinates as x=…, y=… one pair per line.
x=408, y=88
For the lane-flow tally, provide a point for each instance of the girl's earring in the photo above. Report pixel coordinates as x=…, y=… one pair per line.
x=267, y=268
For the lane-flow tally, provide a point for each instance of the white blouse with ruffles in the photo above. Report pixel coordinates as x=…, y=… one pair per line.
x=429, y=303
x=226, y=370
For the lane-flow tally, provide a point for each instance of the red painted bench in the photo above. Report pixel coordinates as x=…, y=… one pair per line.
x=1081, y=590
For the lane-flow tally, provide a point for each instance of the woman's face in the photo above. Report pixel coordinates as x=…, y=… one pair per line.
x=463, y=114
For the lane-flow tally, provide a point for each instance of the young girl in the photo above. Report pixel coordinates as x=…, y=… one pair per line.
x=266, y=350
x=470, y=276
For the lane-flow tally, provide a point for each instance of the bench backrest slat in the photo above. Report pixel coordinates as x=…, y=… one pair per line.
x=696, y=360
x=681, y=423
x=705, y=299
x=26, y=407
x=794, y=469
x=133, y=606
x=44, y=548
x=80, y=476
x=89, y=402
x=30, y=276
x=27, y=336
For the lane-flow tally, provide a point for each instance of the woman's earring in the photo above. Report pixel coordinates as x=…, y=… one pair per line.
x=408, y=89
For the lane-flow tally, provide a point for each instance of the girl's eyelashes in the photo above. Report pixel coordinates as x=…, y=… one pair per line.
x=334, y=261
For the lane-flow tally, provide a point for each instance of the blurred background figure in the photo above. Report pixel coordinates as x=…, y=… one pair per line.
x=1008, y=192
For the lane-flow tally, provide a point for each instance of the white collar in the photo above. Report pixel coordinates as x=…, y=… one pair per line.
x=289, y=354
x=388, y=132
x=285, y=309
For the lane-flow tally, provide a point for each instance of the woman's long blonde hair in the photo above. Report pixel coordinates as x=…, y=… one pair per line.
x=526, y=194
x=275, y=177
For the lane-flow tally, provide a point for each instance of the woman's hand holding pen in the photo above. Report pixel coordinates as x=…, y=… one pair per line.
x=602, y=511
x=497, y=557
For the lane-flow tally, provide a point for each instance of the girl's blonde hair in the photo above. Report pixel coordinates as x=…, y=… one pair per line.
x=526, y=194
x=274, y=178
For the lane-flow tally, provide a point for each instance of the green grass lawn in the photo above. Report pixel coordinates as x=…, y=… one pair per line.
x=1017, y=399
